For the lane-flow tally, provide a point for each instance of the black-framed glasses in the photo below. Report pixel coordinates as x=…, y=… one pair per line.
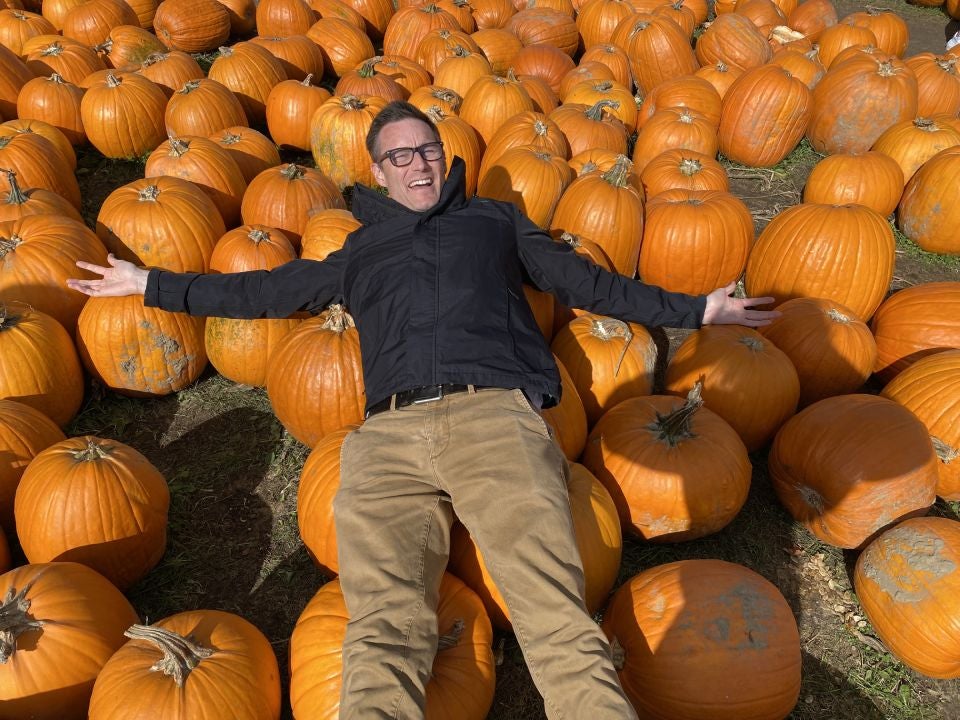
x=403, y=156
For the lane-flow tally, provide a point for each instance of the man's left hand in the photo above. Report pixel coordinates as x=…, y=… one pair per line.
x=722, y=309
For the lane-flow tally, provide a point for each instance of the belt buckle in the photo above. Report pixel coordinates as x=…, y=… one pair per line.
x=437, y=395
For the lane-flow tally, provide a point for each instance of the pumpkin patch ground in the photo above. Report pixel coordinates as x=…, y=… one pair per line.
x=233, y=542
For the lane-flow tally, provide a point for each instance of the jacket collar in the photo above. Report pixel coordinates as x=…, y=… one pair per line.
x=371, y=207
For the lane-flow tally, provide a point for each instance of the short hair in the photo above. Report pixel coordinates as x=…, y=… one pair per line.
x=394, y=112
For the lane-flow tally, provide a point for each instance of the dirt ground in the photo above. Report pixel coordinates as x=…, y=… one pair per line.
x=233, y=471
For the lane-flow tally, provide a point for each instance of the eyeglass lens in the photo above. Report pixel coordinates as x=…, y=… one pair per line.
x=401, y=157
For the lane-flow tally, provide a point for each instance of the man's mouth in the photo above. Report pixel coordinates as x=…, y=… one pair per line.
x=423, y=182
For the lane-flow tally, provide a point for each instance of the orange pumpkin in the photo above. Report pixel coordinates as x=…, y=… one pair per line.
x=338, y=132
x=704, y=638
x=912, y=142
x=531, y=179
x=169, y=668
x=253, y=151
x=123, y=115
x=907, y=581
x=871, y=178
x=676, y=470
x=202, y=107
x=462, y=679
x=930, y=388
x=927, y=213
x=52, y=664
x=747, y=381
x=567, y=419
x=192, y=25
x=137, y=350
x=850, y=465
x=251, y=72
x=325, y=232
x=96, y=502
x=683, y=170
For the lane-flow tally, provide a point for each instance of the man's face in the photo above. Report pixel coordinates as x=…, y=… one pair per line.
x=416, y=186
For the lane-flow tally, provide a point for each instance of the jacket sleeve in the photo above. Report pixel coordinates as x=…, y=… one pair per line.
x=297, y=285
x=554, y=267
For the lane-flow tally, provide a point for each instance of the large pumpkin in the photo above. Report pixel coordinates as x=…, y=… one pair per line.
x=676, y=470
x=123, y=114
x=315, y=381
x=746, y=380
x=40, y=365
x=139, y=350
x=62, y=622
x=24, y=432
x=599, y=542
x=461, y=684
x=338, y=132
x=849, y=465
x=907, y=581
x=705, y=639
x=915, y=322
x=832, y=351
x=843, y=253
x=197, y=664
x=927, y=213
x=96, y=502
x=871, y=178
x=930, y=388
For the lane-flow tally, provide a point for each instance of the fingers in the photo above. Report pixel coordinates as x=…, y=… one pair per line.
x=750, y=302
x=99, y=269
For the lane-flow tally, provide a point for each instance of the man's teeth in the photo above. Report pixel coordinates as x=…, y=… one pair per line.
x=425, y=181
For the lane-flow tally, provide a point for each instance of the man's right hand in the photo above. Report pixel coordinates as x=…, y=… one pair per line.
x=121, y=278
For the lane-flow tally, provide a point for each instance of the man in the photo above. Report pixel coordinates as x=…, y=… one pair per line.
x=455, y=372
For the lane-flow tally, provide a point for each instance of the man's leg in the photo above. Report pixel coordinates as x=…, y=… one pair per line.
x=393, y=539
x=507, y=480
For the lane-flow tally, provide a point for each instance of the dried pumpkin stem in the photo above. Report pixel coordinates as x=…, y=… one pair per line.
x=258, y=236
x=596, y=112
x=617, y=175
x=9, y=245
x=946, y=453
x=180, y=654
x=673, y=428
x=690, y=166
x=292, y=172
x=149, y=194
x=93, y=451
x=837, y=316
x=338, y=319
x=450, y=638
x=617, y=654
x=609, y=328
x=14, y=621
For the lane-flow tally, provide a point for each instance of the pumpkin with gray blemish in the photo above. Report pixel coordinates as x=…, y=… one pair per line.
x=907, y=581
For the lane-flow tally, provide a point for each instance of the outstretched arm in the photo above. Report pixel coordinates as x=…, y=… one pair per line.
x=722, y=309
x=121, y=278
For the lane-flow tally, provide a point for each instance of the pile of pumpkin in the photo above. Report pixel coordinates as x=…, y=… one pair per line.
x=538, y=99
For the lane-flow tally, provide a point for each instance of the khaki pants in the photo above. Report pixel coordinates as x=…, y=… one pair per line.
x=486, y=456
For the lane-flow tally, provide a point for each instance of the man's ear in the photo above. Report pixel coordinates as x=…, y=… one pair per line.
x=378, y=173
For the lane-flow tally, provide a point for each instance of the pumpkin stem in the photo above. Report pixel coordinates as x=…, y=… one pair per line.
x=674, y=427
x=752, y=343
x=9, y=245
x=609, y=328
x=152, y=59
x=588, y=167
x=257, y=236
x=367, y=69
x=837, y=316
x=54, y=48
x=149, y=194
x=617, y=175
x=292, y=172
x=435, y=113
x=617, y=654
x=886, y=69
x=180, y=654
x=461, y=52
x=306, y=81
x=570, y=239
x=690, y=166
x=448, y=96
x=113, y=81
x=926, y=125
x=338, y=319
x=14, y=621
x=6, y=140
x=452, y=636
x=188, y=87
x=104, y=48
x=540, y=128
x=229, y=138
x=16, y=196
x=946, y=453
x=94, y=450
x=178, y=147
x=225, y=51
x=596, y=112
x=722, y=67
x=352, y=102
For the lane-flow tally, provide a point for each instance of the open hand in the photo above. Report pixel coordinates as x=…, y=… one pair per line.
x=121, y=278
x=722, y=309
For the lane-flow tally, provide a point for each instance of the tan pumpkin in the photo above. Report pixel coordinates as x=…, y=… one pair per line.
x=850, y=465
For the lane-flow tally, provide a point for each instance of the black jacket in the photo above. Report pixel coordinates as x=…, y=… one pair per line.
x=436, y=295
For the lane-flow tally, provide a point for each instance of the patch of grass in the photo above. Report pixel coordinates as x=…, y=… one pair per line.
x=908, y=248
